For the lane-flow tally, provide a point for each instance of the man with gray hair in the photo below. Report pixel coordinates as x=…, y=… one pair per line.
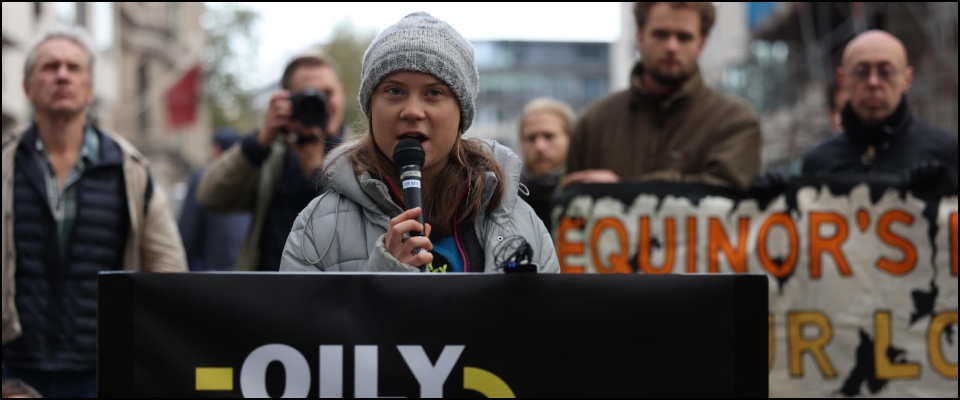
x=545, y=126
x=77, y=200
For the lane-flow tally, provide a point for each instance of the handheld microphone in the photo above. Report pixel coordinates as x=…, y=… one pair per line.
x=408, y=157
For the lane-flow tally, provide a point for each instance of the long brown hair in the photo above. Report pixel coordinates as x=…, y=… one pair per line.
x=466, y=165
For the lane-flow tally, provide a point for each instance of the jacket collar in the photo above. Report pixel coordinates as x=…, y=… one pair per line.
x=891, y=127
x=110, y=153
x=693, y=85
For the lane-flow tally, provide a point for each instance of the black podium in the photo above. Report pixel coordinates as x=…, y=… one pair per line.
x=420, y=335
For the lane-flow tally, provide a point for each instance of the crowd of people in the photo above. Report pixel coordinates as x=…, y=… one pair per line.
x=79, y=200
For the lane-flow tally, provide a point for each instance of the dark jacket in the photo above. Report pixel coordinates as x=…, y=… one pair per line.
x=122, y=222
x=694, y=135
x=212, y=241
x=266, y=182
x=541, y=190
x=889, y=149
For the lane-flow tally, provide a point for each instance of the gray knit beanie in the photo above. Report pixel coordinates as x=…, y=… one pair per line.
x=422, y=43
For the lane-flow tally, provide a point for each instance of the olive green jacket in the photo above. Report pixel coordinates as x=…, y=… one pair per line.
x=694, y=135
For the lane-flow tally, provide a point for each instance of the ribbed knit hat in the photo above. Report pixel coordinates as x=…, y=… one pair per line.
x=422, y=43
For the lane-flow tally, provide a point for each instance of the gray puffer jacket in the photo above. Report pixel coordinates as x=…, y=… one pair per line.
x=347, y=224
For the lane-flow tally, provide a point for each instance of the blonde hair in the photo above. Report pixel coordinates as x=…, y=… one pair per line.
x=550, y=106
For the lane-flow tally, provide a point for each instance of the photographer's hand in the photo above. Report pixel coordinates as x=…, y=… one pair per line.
x=275, y=119
x=310, y=154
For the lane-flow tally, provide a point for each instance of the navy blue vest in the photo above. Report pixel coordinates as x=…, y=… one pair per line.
x=57, y=293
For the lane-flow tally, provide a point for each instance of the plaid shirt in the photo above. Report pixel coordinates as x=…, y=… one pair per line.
x=63, y=200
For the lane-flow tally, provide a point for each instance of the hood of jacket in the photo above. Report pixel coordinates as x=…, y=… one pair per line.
x=373, y=195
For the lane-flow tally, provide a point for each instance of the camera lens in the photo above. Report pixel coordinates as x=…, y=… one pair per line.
x=310, y=107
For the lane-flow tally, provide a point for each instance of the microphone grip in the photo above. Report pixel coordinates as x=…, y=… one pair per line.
x=412, y=198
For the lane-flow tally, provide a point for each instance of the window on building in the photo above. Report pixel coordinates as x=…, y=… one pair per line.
x=66, y=11
x=81, y=13
x=142, y=97
x=591, y=52
x=511, y=83
x=528, y=83
x=103, y=25
x=173, y=20
x=484, y=55
x=593, y=87
x=559, y=83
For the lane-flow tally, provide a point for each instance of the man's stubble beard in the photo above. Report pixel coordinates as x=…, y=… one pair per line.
x=676, y=80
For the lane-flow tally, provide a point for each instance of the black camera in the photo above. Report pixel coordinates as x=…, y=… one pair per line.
x=309, y=108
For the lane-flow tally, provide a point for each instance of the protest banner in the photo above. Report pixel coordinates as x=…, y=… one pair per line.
x=863, y=277
x=431, y=335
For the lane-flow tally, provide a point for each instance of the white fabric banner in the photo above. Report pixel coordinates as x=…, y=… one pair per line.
x=863, y=281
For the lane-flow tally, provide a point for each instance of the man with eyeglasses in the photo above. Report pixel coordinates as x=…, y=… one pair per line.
x=880, y=134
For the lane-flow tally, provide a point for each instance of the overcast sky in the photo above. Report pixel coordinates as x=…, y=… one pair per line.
x=287, y=28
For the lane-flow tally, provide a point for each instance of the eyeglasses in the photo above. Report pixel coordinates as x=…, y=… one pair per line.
x=885, y=72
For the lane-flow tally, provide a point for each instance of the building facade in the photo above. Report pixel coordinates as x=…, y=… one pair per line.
x=797, y=46
x=727, y=45
x=143, y=51
x=514, y=72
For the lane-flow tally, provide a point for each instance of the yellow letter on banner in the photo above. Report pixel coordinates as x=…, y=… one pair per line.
x=770, y=339
x=885, y=369
x=939, y=362
x=799, y=344
x=486, y=383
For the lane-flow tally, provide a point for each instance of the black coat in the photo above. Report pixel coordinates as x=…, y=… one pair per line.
x=890, y=149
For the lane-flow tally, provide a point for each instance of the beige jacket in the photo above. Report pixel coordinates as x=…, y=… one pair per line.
x=153, y=244
x=695, y=135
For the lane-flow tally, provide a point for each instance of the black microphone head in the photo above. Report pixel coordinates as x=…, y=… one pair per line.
x=408, y=152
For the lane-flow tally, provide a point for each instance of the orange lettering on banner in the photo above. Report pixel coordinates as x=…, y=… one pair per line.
x=885, y=369
x=643, y=255
x=717, y=240
x=618, y=261
x=692, y=245
x=819, y=244
x=887, y=236
x=785, y=267
x=937, y=360
x=799, y=344
x=771, y=347
x=953, y=241
x=565, y=248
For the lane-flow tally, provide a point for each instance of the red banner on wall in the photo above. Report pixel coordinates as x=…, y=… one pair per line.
x=183, y=100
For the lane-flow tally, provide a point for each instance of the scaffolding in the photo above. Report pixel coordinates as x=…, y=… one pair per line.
x=797, y=48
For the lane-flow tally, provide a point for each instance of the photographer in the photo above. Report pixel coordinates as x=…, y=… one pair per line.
x=273, y=173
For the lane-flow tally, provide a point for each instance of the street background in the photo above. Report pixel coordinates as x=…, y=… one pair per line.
x=168, y=74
